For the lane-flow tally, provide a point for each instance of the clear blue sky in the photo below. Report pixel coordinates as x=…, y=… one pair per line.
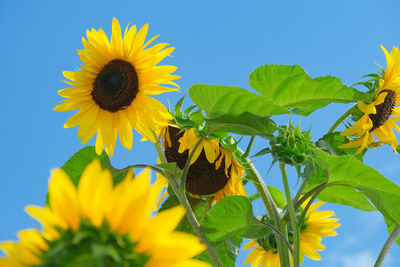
x=217, y=42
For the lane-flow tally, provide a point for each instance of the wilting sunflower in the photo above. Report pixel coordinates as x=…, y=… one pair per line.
x=381, y=115
x=317, y=225
x=110, y=89
x=99, y=223
x=213, y=173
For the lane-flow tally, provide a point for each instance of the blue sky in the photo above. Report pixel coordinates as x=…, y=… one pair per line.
x=217, y=42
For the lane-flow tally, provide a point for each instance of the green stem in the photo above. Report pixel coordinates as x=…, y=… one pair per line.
x=342, y=118
x=189, y=212
x=388, y=244
x=310, y=193
x=269, y=205
x=314, y=196
x=276, y=230
x=292, y=216
x=301, y=189
x=283, y=253
x=250, y=145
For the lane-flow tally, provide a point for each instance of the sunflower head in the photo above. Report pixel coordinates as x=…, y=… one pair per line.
x=317, y=224
x=112, y=86
x=97, y=222
x=379, y=117
x=292, y=145
x=213, y=173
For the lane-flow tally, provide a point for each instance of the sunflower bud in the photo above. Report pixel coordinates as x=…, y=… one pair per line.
x=292, y=145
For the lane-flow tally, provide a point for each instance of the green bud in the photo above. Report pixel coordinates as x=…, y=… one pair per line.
x=292, y=145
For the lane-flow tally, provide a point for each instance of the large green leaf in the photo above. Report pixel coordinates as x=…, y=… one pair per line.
x=228, y=100
x=244, y=124
x=291, y=87
x=345, y=196
x=348, y=171
x=231, y=216
x=227, y=252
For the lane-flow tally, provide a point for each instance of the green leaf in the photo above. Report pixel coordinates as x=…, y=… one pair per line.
x=277, y=196
x=231, y=216
x=227, y=252
x=228, y=100
x=254, y=197
x=291, y=88
x=332, y=141
x=244, y=124
x=348, y=171
x=345, y=196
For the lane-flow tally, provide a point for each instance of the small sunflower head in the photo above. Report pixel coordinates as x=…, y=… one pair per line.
x=292, y=145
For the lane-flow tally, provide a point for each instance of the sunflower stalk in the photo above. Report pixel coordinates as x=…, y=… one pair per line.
x=189, y=212
x=270, y=206
x=292, y=216
x=342, y=118
x=249, y=146
x=386, y=247
x=313, y=197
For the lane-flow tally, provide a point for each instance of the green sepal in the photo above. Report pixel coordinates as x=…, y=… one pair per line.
x=92, y=246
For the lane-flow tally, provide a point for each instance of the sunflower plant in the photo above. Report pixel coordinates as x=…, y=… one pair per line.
x=199, y=209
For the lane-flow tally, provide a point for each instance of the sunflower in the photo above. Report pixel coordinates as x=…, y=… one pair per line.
x=317, y=225
x=110, y=89
x=97, y=222
x=213, y=172
x=381, y=115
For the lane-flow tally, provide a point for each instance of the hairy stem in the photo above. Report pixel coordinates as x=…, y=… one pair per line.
x=189, y=212
x=249, y=146
x=342, y=118
x=388, y=244
x=276, y=230
x=292, y=216
x=314, y=196
x=269, y=205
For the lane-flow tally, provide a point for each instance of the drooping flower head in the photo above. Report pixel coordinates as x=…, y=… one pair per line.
x=380, y=116
x=317, y=224
x=97, y=222
x=213, y=173
x=111, y=87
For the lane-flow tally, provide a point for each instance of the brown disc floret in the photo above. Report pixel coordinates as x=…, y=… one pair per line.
x=384, y=110
x=116, y=86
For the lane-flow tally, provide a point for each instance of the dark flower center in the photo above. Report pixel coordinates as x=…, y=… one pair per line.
x=116, y=86
x=384, y=110
x=203, y=178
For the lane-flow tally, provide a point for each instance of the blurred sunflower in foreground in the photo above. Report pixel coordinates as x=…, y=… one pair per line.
x=317, y=224
x=110, y=89
x=214, y=173
x=97, y=224
x=381, y=115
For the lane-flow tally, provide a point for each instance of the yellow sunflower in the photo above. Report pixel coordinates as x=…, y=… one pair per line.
x=381, y=115
x=110, y=89
x=317, y=225
x=97, y=222
x=213, y=173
